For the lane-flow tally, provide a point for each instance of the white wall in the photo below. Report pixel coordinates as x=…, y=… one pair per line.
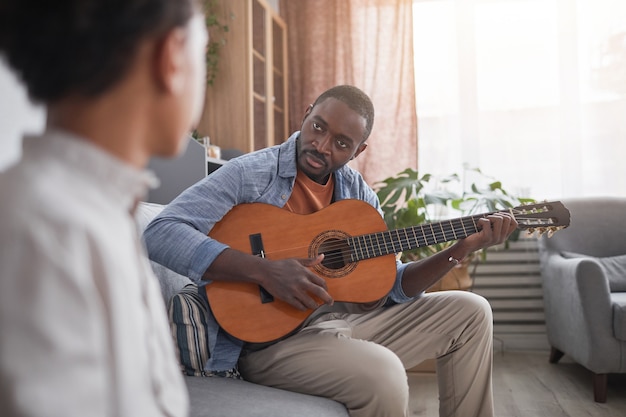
x=17, y=116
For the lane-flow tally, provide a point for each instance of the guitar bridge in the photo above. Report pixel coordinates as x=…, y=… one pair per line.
x=256, y=244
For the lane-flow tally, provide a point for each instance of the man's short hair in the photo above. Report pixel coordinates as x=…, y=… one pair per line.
x=354, y=98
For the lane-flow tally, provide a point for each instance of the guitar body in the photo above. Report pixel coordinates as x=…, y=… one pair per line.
x=246, y=313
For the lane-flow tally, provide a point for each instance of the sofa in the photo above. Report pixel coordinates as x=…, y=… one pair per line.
x=219, y=396
x=583, y=270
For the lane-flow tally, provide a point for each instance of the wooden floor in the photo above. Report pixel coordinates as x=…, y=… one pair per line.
x=526, y=385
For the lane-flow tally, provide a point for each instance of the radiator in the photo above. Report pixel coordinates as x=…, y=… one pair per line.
x=510, y=280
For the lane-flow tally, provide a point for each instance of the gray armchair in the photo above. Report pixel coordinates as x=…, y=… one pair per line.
x=583, y=270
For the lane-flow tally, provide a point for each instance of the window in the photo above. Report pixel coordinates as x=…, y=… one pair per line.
x=532, y=92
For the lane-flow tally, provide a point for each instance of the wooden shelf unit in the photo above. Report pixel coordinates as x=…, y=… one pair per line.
x=247, y=107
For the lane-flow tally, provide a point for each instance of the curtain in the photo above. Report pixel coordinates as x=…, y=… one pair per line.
x=366, y=43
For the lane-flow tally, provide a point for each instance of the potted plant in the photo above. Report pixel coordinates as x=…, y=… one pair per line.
x=410, y=198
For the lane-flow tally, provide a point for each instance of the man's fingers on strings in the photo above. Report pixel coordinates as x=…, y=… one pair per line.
x=309, y=262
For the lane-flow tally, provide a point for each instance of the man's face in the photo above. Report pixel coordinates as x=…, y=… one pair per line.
x=331, y=134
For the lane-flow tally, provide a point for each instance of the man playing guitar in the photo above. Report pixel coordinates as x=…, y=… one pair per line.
x=354, y=353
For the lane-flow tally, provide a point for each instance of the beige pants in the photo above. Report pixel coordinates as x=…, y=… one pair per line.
x=360, y=359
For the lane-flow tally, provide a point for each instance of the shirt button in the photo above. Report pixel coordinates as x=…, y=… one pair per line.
x=284, y=197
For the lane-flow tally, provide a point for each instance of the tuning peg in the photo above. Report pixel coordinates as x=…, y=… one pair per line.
x=552, y=230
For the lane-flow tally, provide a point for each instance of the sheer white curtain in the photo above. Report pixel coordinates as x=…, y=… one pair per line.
x=533, y=92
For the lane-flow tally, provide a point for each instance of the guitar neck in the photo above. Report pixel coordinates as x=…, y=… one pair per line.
x=395, y=241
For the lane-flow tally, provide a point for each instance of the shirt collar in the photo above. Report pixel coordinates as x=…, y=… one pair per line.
x=287, y=158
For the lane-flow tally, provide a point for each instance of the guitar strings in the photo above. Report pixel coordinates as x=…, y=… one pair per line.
x=398, y=240
x=439, y=232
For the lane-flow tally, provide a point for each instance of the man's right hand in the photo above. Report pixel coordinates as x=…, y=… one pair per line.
x=290, y=280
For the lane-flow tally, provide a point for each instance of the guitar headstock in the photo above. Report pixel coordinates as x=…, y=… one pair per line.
x=546, y=217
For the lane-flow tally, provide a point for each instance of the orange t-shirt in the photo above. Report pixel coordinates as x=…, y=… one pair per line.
x=308, y=196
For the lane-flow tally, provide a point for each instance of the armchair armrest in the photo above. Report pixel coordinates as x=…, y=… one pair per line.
x=578, y=307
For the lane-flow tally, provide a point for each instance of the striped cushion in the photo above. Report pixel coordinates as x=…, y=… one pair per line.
x=188, y=312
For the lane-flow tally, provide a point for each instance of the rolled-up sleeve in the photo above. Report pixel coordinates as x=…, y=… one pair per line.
x=397, y=293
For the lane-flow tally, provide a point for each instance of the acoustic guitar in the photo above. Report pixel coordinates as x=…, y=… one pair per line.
x=359, y=263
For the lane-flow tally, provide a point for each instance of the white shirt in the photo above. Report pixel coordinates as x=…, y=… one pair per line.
x=83, y=328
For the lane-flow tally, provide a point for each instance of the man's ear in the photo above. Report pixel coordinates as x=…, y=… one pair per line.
x=307, y=112
x=170, y=61
x=360, y=149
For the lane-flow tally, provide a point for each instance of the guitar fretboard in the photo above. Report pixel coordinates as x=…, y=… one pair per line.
x=394, y=241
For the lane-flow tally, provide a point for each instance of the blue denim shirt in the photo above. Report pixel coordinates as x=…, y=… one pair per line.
x=177, y=237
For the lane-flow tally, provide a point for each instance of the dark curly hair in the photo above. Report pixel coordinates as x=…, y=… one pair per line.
x=354, y=98
x=82, y=47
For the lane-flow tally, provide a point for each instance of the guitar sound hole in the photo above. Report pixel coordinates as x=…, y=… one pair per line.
x=336, y=253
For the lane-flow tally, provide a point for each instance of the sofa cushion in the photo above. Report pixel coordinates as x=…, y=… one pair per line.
x=146, y=212
x=618, y=299
x=614, y=268
x=187, y=313
x=224, y=397
x=170, y=282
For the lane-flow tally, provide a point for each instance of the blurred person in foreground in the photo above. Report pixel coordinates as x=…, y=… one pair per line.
x=83, y=329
